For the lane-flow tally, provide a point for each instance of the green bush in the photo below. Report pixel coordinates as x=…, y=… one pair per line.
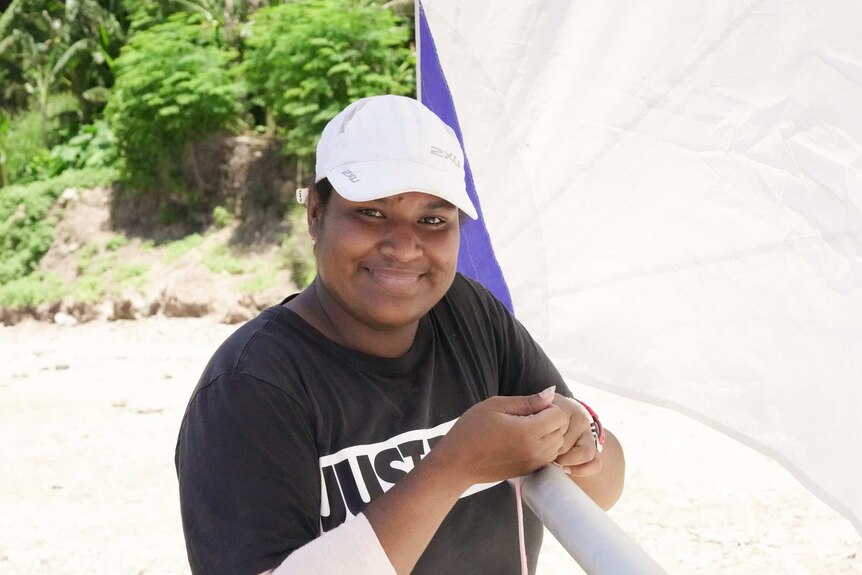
x=26, y=149
x=221, y=217
x=306, y=60
x=258, y=282
x=129, y=275
x=173, y=86
x=94, y=146
x=115, y=242
x=32, y=290
x=88, y=289
x=175, y=250
x=26, y=231
x=22, y=145
x=85, y=257
x=219, y=260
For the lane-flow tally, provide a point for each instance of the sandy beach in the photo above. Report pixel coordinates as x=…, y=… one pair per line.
x=89, y=416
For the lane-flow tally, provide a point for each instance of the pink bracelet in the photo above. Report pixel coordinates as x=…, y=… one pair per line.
x=595, y=427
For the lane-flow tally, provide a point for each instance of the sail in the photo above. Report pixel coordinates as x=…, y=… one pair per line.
x=671, y=202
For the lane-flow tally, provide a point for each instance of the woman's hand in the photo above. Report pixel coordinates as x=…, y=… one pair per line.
x=578, y=456
x=505, y=436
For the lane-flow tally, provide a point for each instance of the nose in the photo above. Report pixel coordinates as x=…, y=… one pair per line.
x=402, y=242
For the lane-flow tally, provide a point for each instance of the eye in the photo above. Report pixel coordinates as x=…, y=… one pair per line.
x=432, y=220
x=371, y=212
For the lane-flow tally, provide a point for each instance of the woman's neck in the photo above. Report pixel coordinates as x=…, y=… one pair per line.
x=317, y=307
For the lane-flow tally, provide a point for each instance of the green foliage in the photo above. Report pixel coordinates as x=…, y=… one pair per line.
x=175, y=250
x=297, y=251
x=173, y=86
x=26, y=231
x=4, y=130
x=85, y=257
x=144, y=14
x=22, y=146
x=32, y=290
x=88, y=289
x=6, y=20
x=98, y=269
x=116, y=242
x=221, y=217
x=306, y=60
x=48, y=46
x=27, y=156
x=227, y=14
x=129, y=275
x=87, y=252
x=219, y=260
x=94, y=146
x=258, y=282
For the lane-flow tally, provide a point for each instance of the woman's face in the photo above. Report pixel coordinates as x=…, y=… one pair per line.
x=386, y=262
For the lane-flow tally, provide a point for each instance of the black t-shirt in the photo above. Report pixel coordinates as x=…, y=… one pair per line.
x=288, y=434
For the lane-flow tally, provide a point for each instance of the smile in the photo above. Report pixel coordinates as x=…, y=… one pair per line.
x=394, y=278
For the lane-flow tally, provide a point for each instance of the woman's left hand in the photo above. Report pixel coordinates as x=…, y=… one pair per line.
x=578, y=456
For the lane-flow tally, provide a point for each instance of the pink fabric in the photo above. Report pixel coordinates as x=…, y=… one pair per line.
x=524, y=570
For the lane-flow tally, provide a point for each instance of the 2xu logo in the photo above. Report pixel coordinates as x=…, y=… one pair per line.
x=350, y=176
x=354, y=476
x=435, y=151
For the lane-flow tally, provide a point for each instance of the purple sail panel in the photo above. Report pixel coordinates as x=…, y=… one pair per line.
x=476, y=258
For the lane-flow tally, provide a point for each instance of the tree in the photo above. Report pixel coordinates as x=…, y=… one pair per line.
x=51, y=46
x=174, y=84
x=306, y=60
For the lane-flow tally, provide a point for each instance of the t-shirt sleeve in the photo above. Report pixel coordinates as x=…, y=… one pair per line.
x=249, y=478
x=524, y=367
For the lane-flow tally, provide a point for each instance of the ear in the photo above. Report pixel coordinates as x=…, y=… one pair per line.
x=314, y=213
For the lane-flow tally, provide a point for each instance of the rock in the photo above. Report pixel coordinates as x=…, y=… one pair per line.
x=151, y=307
x=174, y=306
x=129, y=306
x=123, y=309
x=272, y=295
x=104, y=310
x=81, y=311
x=68, y=195
x=9, y=315
x=45, y=311
x=63, y=318
x=187, y=294
x=238, y=313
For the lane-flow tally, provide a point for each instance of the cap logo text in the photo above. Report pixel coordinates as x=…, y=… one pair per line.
x=435, y=151
x=350, y=176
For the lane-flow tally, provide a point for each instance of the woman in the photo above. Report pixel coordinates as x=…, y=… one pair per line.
x=368, y=423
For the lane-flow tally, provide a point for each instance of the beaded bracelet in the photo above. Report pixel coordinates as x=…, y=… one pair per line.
x=596, y=427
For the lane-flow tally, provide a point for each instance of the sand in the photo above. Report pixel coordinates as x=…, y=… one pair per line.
x=89, y=416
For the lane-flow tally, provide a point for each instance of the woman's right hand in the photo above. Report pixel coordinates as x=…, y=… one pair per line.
x=504, y=437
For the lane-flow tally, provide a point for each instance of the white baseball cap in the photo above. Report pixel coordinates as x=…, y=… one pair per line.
x=385, y=145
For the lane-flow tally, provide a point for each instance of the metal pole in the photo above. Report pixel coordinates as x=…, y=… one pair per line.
x=597, y=543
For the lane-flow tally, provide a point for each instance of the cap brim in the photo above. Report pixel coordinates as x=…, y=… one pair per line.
x=372, y=180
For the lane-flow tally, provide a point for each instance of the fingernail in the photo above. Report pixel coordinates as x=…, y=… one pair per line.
x=548, y=394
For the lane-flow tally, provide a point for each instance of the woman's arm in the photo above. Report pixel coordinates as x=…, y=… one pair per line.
x=600, y=474
x=496, y=439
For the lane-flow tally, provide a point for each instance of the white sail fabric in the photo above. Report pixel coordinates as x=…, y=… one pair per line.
x=673, y=190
